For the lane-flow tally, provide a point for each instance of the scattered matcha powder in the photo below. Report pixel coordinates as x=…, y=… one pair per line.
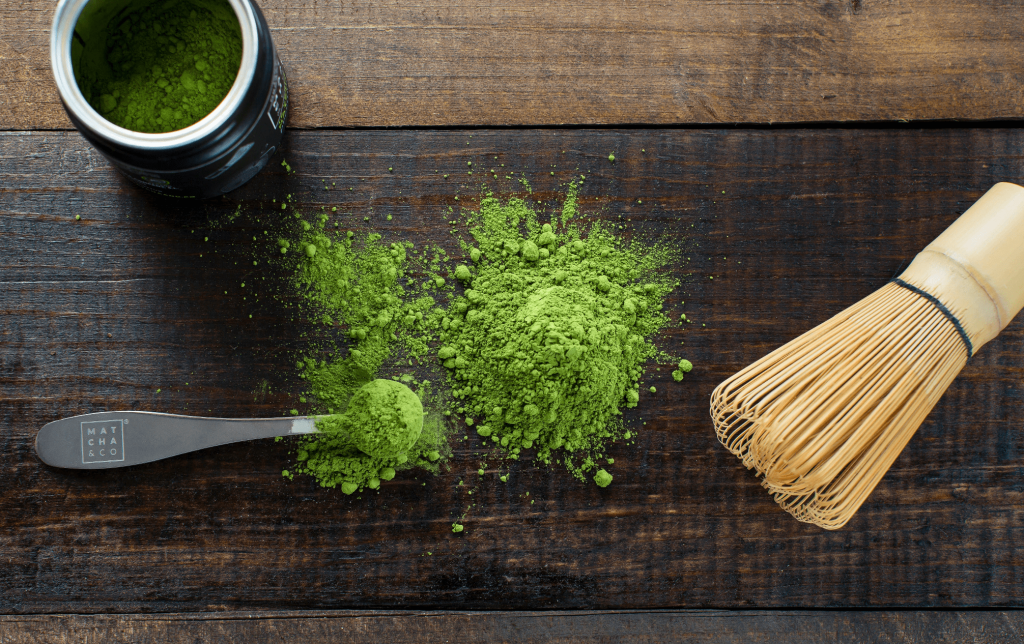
x=543, y=349
x=548, y=341
x=685, y=366
x=357, y=287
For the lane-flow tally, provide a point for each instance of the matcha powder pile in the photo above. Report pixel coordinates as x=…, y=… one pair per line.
x=543, y=350
x=550, y=339
x=384, y=419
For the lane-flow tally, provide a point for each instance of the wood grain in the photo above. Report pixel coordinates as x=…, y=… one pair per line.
x=563, y=627
x=356, y=63
x=131, y=307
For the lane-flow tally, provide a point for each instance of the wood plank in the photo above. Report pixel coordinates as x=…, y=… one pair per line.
x=792, y=224
x=357, y=63
x=399, y=627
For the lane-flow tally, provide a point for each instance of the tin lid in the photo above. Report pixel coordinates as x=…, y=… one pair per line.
x=62, y=33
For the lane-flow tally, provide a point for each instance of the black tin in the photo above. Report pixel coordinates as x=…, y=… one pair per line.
x=209, y=158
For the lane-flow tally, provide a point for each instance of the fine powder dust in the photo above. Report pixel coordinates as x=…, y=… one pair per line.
x=549, y=340
x=384, y=419
x=542, y=330
x=373, y=438
x=373, y=428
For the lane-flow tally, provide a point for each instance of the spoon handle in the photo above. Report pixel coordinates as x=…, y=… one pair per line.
x=105, y=440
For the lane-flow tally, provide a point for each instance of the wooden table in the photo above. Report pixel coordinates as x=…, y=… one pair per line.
x=801, y=152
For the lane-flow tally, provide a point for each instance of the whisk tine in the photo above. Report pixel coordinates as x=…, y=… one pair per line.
x=822, y=418
x=871, y=375
x=824, y=423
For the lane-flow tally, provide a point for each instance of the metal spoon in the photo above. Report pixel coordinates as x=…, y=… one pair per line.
x=105, y=440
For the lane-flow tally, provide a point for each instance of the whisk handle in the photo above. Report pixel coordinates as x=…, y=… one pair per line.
x=976, y=266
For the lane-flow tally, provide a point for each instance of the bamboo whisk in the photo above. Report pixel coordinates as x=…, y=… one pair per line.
x=822, y=418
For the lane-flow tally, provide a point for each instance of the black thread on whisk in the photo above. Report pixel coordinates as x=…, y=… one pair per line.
x=941, y=307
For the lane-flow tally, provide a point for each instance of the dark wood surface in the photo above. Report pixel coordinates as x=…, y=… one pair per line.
x=126, y=308
x=388, y=63
x=556, y=627
x=792, y=225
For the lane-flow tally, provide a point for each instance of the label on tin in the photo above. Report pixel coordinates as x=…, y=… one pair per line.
x=277, y=106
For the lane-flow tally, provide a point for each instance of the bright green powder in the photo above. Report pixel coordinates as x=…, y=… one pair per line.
x=685, y=367
x=371, y=440
x=543, y=350
x=551, y=337
x=374, y=428
x=162, y=67
x=384, y=419
x=355, y=286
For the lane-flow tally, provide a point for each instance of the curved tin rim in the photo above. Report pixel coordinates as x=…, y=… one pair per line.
x=61, y=32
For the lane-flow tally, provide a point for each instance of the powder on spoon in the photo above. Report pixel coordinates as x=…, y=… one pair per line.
x=163, y=67
x=384, y=418
x=369, y=442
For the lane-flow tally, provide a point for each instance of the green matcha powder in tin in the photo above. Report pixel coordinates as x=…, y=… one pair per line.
x=163, y=67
